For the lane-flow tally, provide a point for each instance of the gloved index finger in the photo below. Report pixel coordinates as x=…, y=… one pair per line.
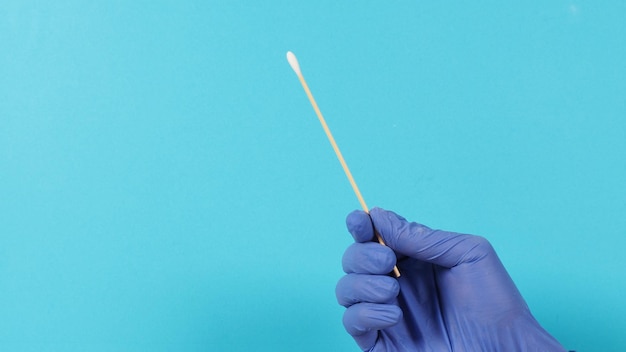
x=360, y=226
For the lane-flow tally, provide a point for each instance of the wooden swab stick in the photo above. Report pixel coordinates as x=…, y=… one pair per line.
x=293, y=62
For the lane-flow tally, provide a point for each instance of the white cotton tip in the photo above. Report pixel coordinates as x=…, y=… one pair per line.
x=293, y=62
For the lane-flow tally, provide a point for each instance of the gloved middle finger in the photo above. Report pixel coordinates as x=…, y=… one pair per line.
x=368, y=258
x=357, y=288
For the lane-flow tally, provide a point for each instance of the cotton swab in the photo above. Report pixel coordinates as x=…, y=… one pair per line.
x=293, y=62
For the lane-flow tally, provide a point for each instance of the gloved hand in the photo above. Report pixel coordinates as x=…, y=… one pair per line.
x=453, y=294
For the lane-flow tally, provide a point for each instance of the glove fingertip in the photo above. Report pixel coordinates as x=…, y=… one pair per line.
x=364, y=317
x=363, y=321
x=360, y=226
x=395, y=315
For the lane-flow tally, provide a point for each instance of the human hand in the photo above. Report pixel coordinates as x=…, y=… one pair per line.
x=454, y=293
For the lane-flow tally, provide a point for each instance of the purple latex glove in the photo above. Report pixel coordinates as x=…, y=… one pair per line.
x=454, y=293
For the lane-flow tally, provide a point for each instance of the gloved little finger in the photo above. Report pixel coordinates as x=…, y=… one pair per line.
x=356, y=288
x=368, y=258
x=363, y=321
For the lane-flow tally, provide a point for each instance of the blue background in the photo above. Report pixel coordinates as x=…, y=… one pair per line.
x=165, y=184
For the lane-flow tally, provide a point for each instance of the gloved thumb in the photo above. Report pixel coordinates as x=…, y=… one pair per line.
x=447, y=249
